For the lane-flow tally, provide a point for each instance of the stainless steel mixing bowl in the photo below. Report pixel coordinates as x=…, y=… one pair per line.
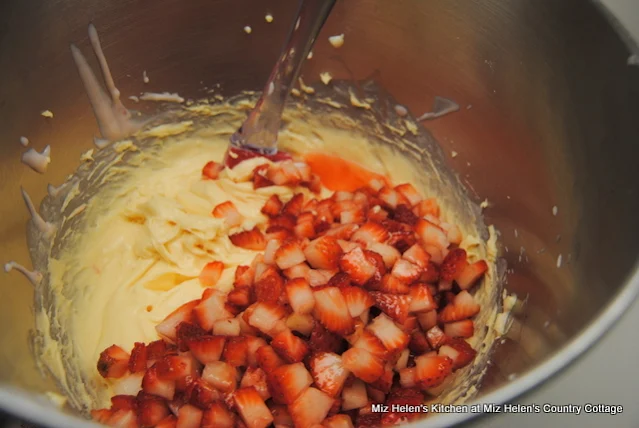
x=548, y=119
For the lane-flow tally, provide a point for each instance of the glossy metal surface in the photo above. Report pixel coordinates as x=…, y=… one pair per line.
x=548, y=118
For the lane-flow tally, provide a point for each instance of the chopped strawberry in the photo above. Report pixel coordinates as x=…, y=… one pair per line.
x=310, y=408
x=427, y=207
x=228, y=211
x=305, y=226
x=273, y=206
x=372, y=344
x=256, y=377
x=158, y=349
x=323, y=253
x=375, y=395
x=301, y=323
x=338, y=421
x=410, y=193
x=272, y=245
x=150, y=409
x=431, y=234
x=189, y=417
x=235, y=351
x=357, y=299
x=418, y=344
x=267, y=359
x=453, y=233
x=322, y=340
x=211, y=309
x=462, y=307
x=212, y=170
x=318, y=277
x=243, y=276
x=391, y=197
x=421, y=299
x=412, y=397
x=259, y=177
x=167, y=328
x=286, y=221
x=406, y=271
x=294, y=205
x=113, y=362
x=408, y=377
x=279, y=233
x=229, y=327
x=358, y=266
x=290, y=347
x=241, y=297
x=403, y=214
x=211, y=273
x=453, y=264
x=297, y=271
x=427, y=320
x=217, y=416
x=253, y=343
x=459, y=351
x=284, y=173
x=288, y=382
x=281, y=416
x=394, y=305
x=370, y=233
x=377, y=213
x=391, y=284
x=289, y=255
x=126, y=402
x=152, y=384
x=249, y=239
x=471, y=274
x=436, y=337
x=463, y=328
x=332, y=310
x=137, y=361
x=341, y=231
x=349, y=212
x=270, y=286
x=431, y=371
x=430, y=274
x=354, y=396
x=221, y=375
x=417, y=255
x=402, y=360
x=265, y=315
x=363, y=364
x=174, y=367
x=385, y=381
x=300, y=295
x=124, y=418
x=389, y=254
x=101, y=415
x=391, y=336
x=185, y=332
x=201, y=394
x=328, y=372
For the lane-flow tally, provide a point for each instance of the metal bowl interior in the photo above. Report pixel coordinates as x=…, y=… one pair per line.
x=547, y=120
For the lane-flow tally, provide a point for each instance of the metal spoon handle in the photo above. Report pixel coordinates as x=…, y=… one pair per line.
x=259, y=131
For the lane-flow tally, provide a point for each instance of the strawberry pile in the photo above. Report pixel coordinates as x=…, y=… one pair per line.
x=358, y=299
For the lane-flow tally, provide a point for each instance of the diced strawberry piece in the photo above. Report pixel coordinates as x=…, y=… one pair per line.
x=229, y=327
x=319, y=277
x=235, y=351
x=394, y=305
x=290, y=347
x=354, y=396
x=201, y=394
x=221, y=375
x=406, y=271
x=294, y=205
x=137, y=361
x=301, y=323
x=310, y=408
x=189, y=417
x=289, y=255
x=391, y=197
x=436, y=253
x=421, y=299
x=150, y=409
x=259, y=177
x=113, y=362
x=338, y=421
x=212, y=170
x=342, y=195
x=357, y=299
x=370, y=233
x=322, y=340
x=403, y=214
x=126, y=402
x=409, y=324
x=453, y=233
x=264, y=316
x=270, y=286
x=305, y=226
x=211, y=309
x=101, y=415
x=240, y=297
x=297, y=271
x=402, y=360
x=417, y=255
x=211, y=273
x=427, y=207
x=267, y=359
x=391, y=336
x=300, y=295
x=418, y=344
x=217, y=416
x=279, y=233
x=436, y=337
x=430, y=274
x=372, y=344
x=152, y=384
x=243, y=276
x=332, y=310
x=363, y=364
x=348, y=212
x=167, y=328
x=328, y=372
x=453, y=264
x=286, y=221
x=410, y=193
x=406, y=397
x=229, y=212
x=377, y=213
x=340, y=280
x=323, y=253
x=174, y=367
x=288, y=382
x=281, y=416
x=375, y=395
x=158, y=349
x=431, y=371
x=273, y=206
x=256, y=377
x=459, y=351
x=431, y=234
x=391, y=284
x=462, y=307
x=427, y=320
x=358, y=266
x=408, y=377
x=124, y=418
x=253, y=343
x=341, y=231
x=272, y=245
x=284, y=173
x=249, y=239
x=389, y=254
x=463, y=328
x=185, y=332
x=471, y=274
